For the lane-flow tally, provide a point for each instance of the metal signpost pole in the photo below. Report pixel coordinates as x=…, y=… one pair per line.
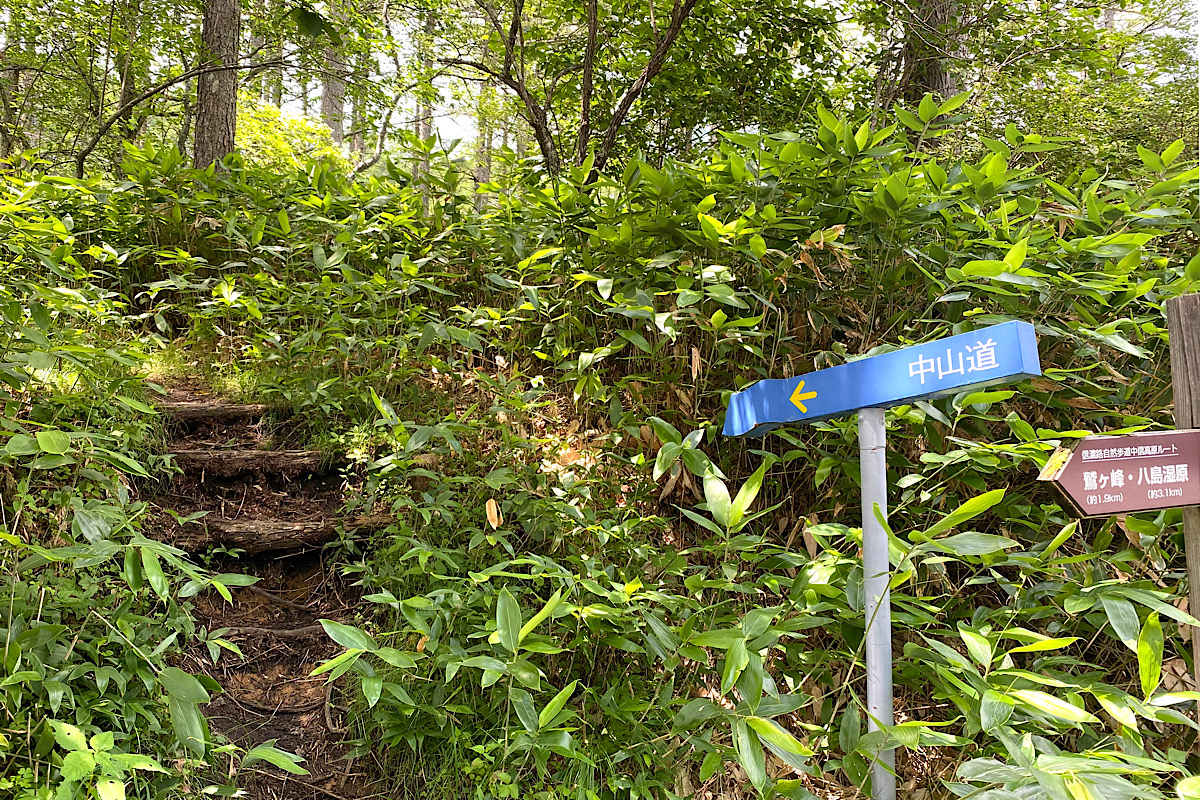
x=963, y=363
x=872, y=451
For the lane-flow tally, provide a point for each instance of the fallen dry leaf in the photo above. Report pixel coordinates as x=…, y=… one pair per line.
x=494, y=517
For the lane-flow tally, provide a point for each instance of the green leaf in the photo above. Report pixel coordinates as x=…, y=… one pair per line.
x=553, y=603
x=1173, y=151
x=716, y=494
x=54, y=442
x=338, y=665
x=372, y=689
x=1045, y=644
x=1191, y=270
x=910, y=120
x=188, y=723
x=968, y=510
x=667, y=455
x=750, y=754
x=994, y=709
x=1150, y=654
x=110, y=789
x=21, y=445
x=68, y=736
x=1124, y=619
x=268, y=752
x=985, y=268
x=508, y=621
x=736, y=659
x=975, y=544
x=850, y=729
x=136, y=405
x=77, y=765
x=979, y=647
x=1015, y=256
x=486, y=663
x=1150, y=159
x=1049, y=704
x=522, y=702
x=771, y=731
x=152, y=569
x=710, y=765
x=526, y=673
x=556, y=704
x=721, y=639
x=954, y=103
x=182, y=686
x=745, y=496
x=349, y=636
x=665, y=431
x=710, y=227
x=1189, y=788
x=927, y=109
x=758, y=246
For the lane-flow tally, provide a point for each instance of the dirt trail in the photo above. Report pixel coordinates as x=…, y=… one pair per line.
x=251, y=494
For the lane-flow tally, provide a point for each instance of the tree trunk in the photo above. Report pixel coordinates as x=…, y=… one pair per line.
x=586, y=87
x=425, y=114
x=333, y=95
x=483, y=141
x=10, y=84
x=185, y=128
x=128, y=70
x=925, y=61
x=358, y=113
x=216, y=106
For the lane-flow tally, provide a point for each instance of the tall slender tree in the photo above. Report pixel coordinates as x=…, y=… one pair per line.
x=216, y=106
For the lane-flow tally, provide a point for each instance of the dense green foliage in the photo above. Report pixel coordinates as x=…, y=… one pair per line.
x=591, y=593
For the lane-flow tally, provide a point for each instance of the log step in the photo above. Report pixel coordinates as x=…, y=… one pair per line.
x=228, y=463
x=256, y=536
x=198, y=411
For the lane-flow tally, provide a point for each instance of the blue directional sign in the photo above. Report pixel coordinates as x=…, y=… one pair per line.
x=987, y=357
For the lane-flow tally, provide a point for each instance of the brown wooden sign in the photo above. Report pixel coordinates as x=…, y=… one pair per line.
x=1106, y=475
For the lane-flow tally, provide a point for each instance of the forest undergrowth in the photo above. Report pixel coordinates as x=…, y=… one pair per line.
x=587, y=591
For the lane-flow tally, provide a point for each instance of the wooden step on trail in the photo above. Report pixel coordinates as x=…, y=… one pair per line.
x=200, y=410
x=229, y=463
x=256, y=536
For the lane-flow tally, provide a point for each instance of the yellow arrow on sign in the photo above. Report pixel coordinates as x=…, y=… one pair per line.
x=799, y=396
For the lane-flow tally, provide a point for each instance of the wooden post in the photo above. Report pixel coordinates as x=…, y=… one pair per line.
x=1183, y=326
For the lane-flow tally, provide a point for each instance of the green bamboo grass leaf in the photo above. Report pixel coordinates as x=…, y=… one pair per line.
x=556, y=704
x=1124, y=620
x=1049, y=704
x=770, y=731
x=716, y=495
x=268, y=752
x=549, y=608
x=349, y=636
x=508, y=621
x=967, y=511
x=750, y=754
x=1150, y=655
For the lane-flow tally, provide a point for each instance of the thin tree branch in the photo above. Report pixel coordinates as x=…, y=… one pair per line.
x=589, y=58
x=514, y=28
x=366, y=164
x=654, y=65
